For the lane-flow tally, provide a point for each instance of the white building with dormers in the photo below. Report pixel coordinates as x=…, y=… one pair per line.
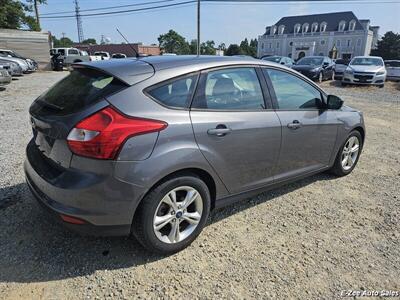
x=337, y=35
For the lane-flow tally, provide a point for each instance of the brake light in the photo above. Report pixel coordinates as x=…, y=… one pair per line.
x=102, y=134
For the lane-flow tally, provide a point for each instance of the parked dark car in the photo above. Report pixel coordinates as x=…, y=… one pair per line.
x=283, y=60
x=317, y=68
x=151, y=145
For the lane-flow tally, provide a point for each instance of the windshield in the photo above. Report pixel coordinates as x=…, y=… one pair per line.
x=273, y=58
x=311, y=61
x=366, y=61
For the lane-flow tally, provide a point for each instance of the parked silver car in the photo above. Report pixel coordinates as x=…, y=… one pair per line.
x=32, y=64
x=21, y=62
x=151, y=145
x=14, y=68
x=5, y=77
x=365, y=70
x=393, y=69
x=283, y=60
x=339, y=68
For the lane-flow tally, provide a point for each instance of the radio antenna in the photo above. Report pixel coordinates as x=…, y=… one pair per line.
x=130, y=45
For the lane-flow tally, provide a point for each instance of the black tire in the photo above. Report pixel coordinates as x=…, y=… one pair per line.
x=337, y=168
x=343, y=84
x=142, y=226
x=381, y=86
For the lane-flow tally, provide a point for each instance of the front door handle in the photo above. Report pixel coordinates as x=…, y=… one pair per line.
x=294, y=125
x=220, y=130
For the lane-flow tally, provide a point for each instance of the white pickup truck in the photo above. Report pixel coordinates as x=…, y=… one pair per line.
x=74, y=55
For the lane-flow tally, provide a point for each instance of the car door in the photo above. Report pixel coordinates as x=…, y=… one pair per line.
x=328, y=68
x=308, y=131
x=236, y=129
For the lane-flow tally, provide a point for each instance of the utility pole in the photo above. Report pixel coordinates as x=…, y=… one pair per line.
x=198, y=27
x=35, y=4
x=63, y=38
x=78, y=21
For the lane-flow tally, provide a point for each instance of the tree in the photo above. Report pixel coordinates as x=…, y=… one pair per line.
x=89, y=41
x=233, y=49
x=33, y=6
x=207, y=48
x=222, y=47
x=244, y=47
x=14, y=15
x=63, y=42
x=388, y=46
x=172, y=42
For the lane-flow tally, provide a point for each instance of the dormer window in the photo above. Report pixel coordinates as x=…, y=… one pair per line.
x=352, y=25
x=314, y=27
x=305, y=27
x=323, y=27
x=342, y=25
x=297, y=28
x=273, y=30
x=281, y=29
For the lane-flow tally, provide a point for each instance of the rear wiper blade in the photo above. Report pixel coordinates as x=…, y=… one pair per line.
x=53, y=106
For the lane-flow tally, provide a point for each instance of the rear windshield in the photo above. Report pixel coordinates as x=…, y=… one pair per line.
x=80, y=89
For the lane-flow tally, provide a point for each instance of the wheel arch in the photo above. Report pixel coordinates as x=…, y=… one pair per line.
x=197, y=172
x=361, y=131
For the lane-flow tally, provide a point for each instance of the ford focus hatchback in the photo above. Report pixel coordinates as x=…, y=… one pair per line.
x=149, y=146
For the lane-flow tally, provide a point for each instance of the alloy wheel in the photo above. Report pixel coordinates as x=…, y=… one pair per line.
x=178, y=214
x=350, y=153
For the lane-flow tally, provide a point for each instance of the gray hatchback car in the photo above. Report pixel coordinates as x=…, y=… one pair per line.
x=149, y=146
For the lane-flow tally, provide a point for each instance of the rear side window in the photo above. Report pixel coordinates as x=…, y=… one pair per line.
x=73, y=52
x=80, y=89
x=175, y=93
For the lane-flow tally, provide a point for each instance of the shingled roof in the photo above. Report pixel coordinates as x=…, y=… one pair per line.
x=332, y=20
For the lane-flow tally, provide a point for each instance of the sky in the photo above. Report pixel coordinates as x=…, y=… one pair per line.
x=222, y=22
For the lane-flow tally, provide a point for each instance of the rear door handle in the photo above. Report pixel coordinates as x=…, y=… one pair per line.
x=220, y=130
x=294, y=125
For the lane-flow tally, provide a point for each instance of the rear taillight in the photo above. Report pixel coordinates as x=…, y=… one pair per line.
x=102, y=135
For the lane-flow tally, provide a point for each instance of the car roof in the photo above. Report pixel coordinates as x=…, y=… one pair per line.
x=367, y=56
x=128, y=69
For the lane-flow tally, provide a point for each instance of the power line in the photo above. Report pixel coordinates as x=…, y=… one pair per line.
x=122, y=11
x=108, y=7
x=221, y=2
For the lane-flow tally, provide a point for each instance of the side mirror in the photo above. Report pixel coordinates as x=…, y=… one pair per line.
x=334, y=102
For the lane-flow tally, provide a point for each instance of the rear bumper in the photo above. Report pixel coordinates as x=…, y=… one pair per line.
x=104, y=203
x=53, y=210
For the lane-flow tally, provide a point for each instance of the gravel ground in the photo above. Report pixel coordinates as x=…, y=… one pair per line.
x=307, y=240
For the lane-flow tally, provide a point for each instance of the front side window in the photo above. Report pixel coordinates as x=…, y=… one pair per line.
x=230, y=89
x=175, y=93
x=293, y=93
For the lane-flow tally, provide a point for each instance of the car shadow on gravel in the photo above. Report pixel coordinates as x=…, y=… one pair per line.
x=35, y=249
